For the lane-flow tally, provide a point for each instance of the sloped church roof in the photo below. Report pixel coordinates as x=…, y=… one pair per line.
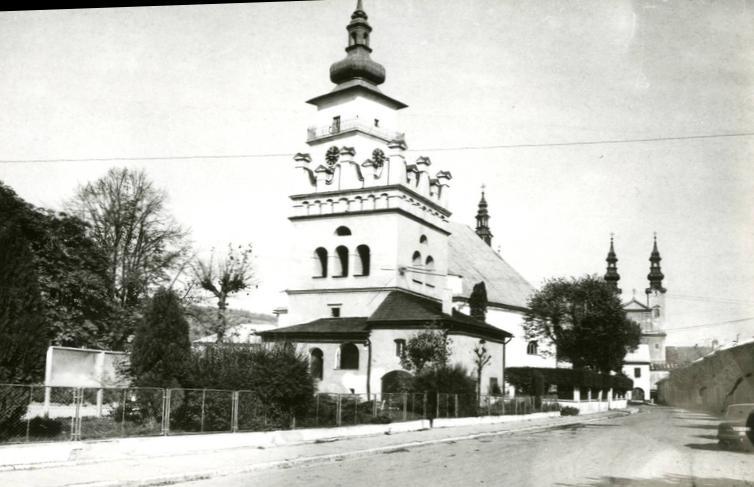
x=475, y=261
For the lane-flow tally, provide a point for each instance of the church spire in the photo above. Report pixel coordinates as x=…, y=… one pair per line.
x=655, y=275
x=358, y=65
x=483, y=221
x=612, y=276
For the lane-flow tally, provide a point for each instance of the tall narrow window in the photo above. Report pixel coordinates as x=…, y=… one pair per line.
x=430, y=263
x=364, y=258
x=342, y=252
x=320, y=262
x=400, y=347
x=637, y=372
x=335, y=125
x=531, y=349
x=349, y=356
x=316, y=363
x=416, y=259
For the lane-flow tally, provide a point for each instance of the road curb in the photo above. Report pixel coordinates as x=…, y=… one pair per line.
x=334, y=457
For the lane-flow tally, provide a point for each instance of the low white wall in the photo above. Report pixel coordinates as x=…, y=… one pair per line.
x=509, y=418
x=594, y=406
x=26, y=455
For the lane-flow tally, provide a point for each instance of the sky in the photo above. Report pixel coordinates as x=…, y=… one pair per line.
x=210, y=101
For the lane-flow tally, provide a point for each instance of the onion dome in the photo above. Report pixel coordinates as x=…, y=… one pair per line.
x=655, y=275
x=612, y=275
x=358, y=64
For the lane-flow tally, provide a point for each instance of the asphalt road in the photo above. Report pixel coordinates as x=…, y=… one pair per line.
x=657, y=447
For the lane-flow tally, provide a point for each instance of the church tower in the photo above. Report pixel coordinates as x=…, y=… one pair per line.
x=612, y=276
x=366, y=220
x=656, y=303
x=483, y=221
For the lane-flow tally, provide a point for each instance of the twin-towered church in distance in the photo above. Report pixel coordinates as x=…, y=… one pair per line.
x=377, y=257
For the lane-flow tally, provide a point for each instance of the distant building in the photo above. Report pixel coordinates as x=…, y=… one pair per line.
x=651, y=316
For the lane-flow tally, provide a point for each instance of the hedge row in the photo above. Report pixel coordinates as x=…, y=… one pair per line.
x=528, y=378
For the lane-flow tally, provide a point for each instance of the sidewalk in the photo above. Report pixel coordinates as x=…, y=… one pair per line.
x=164, y=470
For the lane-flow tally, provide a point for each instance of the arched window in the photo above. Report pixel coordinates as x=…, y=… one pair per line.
x=342, y=252
x=342, y=231
x=349, y=356
x=416, y=259
x=430, y=262
x=423, y=239
x=531, y=348
x=364, y=257
x=316, y=363
x=320, y=262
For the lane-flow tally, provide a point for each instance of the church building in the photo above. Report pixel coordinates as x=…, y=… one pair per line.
x=647, y=364
x=376, y=259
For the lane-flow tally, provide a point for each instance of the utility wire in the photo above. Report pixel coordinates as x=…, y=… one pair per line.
x=710, y=324
x=428, y=149
x=709, y=299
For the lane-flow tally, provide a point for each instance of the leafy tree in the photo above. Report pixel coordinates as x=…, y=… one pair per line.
x=130, y=222
x=161, y=348
x=585, y=320
x=24, y=331
x=71, y=270
x=224, y=278
x=428, y=348
x=478, y=301
x=481, y=359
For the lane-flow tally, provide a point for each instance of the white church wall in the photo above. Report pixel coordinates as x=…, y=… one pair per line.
x=462, y=352
x=363, y=107
x=334, y=379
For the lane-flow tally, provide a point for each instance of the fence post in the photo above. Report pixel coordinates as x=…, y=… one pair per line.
x=489, y=406
x=316, y=409
x=356, y=409
x=166, y=400
x=234, y=412
x=437, y=406
x=424, y=405
x=404, y=406
x=374, y=405
x=204, y=397
x=338, y=411
x=455, y=396
x=28, y=416
x=123, y=413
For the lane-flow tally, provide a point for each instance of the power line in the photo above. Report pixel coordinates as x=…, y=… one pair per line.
x=428, y=149
x=687, y=297
x=711, y=324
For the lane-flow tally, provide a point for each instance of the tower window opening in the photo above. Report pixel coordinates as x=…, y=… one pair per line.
x=423, y=239
x=335, y=311
x=416, y=259
x=376, y=122
x=364, y=259
x=342, y=253
x=430, y=262
x=335, y=128
x=532, y=347
x=320, y=262
x=342, y=231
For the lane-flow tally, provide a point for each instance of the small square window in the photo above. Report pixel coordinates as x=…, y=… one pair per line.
x=376, y=122
x=335, y=311
x=637, y=372
x=400, y=346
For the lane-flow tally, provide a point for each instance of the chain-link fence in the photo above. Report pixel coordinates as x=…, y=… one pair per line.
x=444, y=405
x=38, y=413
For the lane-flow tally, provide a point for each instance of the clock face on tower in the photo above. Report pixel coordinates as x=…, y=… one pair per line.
x=332, y=155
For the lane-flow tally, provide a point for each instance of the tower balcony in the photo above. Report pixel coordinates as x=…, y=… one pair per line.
x=319, y=133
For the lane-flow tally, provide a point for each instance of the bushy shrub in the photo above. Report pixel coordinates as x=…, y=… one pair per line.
x=43, y=427
x=448, y=380
x=569, y=411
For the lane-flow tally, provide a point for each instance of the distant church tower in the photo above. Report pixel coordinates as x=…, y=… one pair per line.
x=366, y=221
x=655, y=292
x=483, y=221
x=612, y=276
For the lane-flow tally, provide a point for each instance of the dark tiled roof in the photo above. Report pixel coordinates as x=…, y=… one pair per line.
x=475, y=261
x=324, y=326
x=402, y=307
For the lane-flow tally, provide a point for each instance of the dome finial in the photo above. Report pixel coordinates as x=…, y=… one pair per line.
x=358, y=65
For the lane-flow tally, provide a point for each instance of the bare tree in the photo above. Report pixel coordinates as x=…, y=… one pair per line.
x=481, y=359
x=130, y=221
x=224, y=278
